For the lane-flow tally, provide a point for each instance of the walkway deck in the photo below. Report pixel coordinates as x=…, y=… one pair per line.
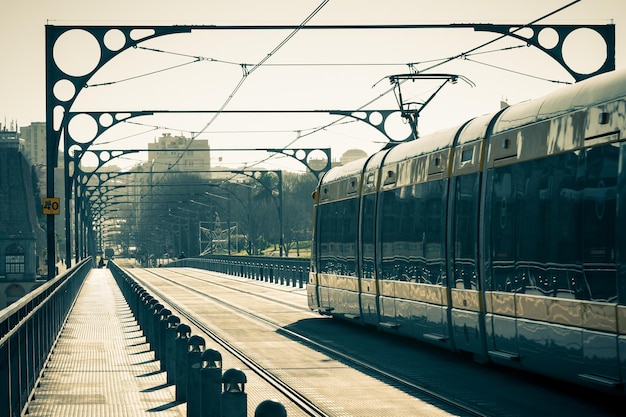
x=102, y=365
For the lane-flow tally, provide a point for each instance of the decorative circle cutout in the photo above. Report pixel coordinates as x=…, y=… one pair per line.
x=73, y=149
x=114, y=39
x=70, y=169
x=317, y=159
x=89, y=162
x=376, y=118
x=584, y=51
x=105, y=156
x=82, y=128
x=300, y=155
x=548, y=38
x=64, y=90
x=397, y=128
x=106, y=120
x=137, y=34
x=58, y=113
x=73, y=43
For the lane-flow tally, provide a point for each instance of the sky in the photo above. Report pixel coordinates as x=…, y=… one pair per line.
x=307, y=70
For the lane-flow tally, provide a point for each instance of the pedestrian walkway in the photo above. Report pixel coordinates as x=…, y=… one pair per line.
x=101, y=364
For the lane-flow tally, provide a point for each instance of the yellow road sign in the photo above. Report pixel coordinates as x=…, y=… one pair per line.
x=51, y=205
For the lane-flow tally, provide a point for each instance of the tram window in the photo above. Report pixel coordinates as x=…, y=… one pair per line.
x=532, y=188
x=621, y=225
x=337, y=236
x=467, y=155
x=553, y=225
x=436, y=231
x=563, y=237
x=503, y=236
x=413, y=232
x=368, y=237
x=598, y=174
x=466, y=231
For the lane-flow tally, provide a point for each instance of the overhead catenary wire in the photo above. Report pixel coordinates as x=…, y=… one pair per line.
x=248, y=69
x=245, y=77
x=516, y=72
x=452, y=58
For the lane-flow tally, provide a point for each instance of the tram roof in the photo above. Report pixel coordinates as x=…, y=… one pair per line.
x=424, y=145
x=596, y=90
x=344, y=171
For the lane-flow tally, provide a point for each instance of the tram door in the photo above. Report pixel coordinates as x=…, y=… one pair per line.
x=467, y=314
x=368, y=284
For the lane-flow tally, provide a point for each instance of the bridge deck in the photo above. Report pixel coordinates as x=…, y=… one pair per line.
x=101, y=364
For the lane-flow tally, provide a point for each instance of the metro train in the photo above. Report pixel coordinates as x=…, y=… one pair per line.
x=501, y=237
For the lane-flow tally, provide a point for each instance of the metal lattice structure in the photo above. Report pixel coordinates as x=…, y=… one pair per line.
x=104, y=43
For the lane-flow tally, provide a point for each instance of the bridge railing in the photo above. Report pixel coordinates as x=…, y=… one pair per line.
x=29, y=329
x=284, y=271
x=194, y=370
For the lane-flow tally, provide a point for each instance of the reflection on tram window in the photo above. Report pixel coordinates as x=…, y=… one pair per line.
x=337, y=229
x=466, y=232
x=368, y=236
x=553, y=226
x=413, y=232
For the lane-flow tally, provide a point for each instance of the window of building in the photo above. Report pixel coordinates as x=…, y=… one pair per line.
x=14, y=259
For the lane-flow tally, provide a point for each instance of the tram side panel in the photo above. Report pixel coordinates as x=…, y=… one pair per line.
x=312, y=290
x=621, y=262
x=531, y=272
x=413, y=272
x=551, y=277
x=467, y=312
x=338, y=285
x=369, y=285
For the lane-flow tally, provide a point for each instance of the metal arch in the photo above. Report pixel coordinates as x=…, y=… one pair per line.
x=106, y=120
x=375, y=118
x=74, y=175
x=102, y=121
x=111, y=41
x=63, y=86
x=302, y=155
x=102, y=177
x=607, y=32
x=104, y=156
x=91, y=191
x=80, y=180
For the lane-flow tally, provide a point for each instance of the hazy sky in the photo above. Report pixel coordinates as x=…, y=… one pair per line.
x=313, y=70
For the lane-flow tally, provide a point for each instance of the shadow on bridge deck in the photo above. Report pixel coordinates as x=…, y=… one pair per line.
x=101, y=364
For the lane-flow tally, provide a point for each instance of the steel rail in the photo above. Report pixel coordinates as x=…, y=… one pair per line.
x=301, y=401
x=459, y=405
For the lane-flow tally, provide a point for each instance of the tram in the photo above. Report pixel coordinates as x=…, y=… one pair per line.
x=502, y=237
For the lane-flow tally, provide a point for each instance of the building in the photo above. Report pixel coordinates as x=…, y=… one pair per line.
x=34, y=140
x=352, y=155
x=22, y=240
x=179, y=153
x=33, y=144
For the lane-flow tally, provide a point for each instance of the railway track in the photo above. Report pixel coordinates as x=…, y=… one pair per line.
x=302, y=402
x=193, y=283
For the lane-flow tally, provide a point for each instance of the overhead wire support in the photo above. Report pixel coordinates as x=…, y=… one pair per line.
x=248, y=72
x=58, y=107
x=412, y=114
